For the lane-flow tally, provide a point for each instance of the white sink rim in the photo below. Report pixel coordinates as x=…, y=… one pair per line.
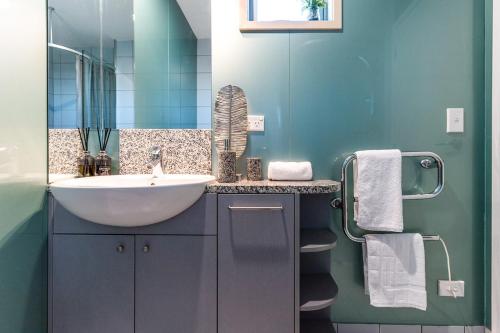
x=129, y=200
x=80, y=182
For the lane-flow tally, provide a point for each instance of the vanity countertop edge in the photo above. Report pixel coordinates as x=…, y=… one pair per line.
x=271, y=187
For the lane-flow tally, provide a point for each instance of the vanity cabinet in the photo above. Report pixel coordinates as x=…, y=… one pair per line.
x=93, y=283
x=256, y=263
x=153, y=279
x=228, y=264
x=176, y=284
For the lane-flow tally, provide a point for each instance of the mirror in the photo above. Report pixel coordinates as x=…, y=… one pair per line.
x=272, y=15
x=129, y=64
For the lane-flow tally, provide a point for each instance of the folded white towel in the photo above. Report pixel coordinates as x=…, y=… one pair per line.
x=379, y=204
x=290, y=171
x=395, y=270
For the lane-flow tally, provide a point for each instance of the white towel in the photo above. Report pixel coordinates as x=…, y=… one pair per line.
x=378, y=192
x=290, y=171
x=395, y=270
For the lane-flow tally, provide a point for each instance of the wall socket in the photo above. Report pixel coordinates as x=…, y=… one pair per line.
x=256, y=123
x=451, y=288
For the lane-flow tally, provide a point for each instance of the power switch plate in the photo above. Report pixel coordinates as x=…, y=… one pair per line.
x=451, y=288
x=455, y=120
x=256, y=123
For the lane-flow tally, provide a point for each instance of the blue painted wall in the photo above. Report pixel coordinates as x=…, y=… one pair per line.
x=384, y=81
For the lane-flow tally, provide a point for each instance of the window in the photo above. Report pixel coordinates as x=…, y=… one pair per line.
x=270, y=15
x=283, y=10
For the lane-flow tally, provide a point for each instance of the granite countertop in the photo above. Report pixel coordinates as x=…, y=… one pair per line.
x=269, y=186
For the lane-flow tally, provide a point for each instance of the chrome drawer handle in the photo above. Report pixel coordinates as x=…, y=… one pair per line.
x=255, y=208
x=120, y=248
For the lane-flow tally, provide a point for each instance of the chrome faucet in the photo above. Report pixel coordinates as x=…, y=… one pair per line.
x=156, y=161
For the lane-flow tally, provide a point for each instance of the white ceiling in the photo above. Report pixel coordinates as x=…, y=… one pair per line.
x=197, y=13
x=76, y=22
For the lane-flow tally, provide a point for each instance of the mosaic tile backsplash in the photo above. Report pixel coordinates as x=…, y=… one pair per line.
x=64, y=149
x=184, y=151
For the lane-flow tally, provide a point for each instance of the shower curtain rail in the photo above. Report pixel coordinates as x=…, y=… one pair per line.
x=78, y=53
x=426, y=163
x=61, y=47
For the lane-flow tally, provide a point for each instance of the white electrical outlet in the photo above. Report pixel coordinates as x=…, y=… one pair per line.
x=451, y=288
x=256, y=123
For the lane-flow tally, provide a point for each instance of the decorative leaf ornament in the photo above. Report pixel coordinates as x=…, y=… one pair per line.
x=231, y=119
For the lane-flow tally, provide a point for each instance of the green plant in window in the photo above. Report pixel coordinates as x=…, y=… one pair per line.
x=313, y=6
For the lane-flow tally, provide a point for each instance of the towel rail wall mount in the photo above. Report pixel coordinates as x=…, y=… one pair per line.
x=426, y=163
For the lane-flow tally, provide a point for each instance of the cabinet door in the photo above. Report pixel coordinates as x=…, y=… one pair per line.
x=93, y=284
x=256, y=263
x=176, y=284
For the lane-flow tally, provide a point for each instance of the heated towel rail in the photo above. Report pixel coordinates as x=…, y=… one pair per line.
x=426, y=162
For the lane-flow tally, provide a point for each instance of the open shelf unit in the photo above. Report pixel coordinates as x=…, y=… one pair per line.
x=317, y=288
x=317, y=291
x=317, y=240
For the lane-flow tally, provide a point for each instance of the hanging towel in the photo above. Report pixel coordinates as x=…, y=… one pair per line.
x=395, y=270
x=290, y=171
x=377, y=189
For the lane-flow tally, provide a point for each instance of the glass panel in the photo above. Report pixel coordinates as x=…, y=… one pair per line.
x=74, y=63
x=23, y=167
x=170, y=86
x=375, y=86
x=385, y=81
x=155, y=70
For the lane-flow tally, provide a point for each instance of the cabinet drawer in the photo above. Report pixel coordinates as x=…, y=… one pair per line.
x=256, y=263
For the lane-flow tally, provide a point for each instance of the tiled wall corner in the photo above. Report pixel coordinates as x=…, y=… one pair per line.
x=443, y=329
x=400, y=329
x=184, y=151
x=376, y=328
x=358, y=328
x=64, y=148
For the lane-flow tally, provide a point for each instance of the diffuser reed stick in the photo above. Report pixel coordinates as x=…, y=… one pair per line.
x=84, y=137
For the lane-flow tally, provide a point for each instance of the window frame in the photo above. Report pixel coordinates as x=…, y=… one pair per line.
x=255, y=26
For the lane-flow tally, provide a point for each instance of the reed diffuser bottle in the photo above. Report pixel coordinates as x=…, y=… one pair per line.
x=103, y=160
x=86, y=163
x=226, y=164
x=103, y=164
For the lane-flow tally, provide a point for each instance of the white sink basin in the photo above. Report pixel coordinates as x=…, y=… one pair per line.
x=129, y=201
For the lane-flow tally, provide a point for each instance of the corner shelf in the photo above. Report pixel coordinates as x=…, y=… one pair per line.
x=316, y=326
x=317, y=240
x=317, y=291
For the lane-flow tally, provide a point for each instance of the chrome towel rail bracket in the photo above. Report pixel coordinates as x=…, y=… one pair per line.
x=426, y=163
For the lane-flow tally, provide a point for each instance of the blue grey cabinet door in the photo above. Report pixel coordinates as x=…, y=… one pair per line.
x=256, y=263
x=176, y=284
x=93, y=284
